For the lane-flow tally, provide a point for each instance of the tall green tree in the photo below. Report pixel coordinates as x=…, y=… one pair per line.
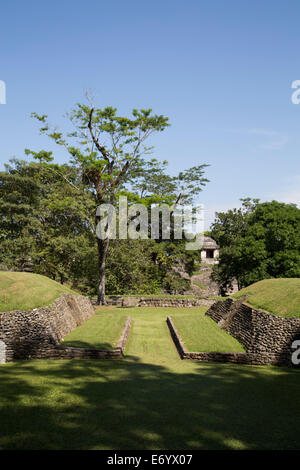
x=108, y=152
x=104, y=146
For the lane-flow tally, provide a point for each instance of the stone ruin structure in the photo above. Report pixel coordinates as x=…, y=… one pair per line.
x=266, y=337
x=209, y=251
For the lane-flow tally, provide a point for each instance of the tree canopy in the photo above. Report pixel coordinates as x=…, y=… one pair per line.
x=109, y=155
x=48, y=210
x=258, y=241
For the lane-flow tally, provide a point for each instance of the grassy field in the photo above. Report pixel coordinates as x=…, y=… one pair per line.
x=99, y=332
x=199, y=284
x=200, y=333
x=278, y=296
x=150, y=400
x=25, y=291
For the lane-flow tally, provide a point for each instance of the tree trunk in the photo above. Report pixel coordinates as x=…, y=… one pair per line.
x=102, y=252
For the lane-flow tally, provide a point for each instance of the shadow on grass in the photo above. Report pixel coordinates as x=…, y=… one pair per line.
x=82, y=344
x=131, y=405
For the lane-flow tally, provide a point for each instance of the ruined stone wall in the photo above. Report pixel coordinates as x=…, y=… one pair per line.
x=89, y=353
x=219, y=309
x=158, y=302
x=249, y=358
x=36, y=333
x=261, y=333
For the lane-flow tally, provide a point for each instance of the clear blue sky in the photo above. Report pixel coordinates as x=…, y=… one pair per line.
x=221, y=70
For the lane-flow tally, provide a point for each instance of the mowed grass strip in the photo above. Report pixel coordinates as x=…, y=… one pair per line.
x=201, y=334
x=26, y=291
x=278, y=296
x=99, y=332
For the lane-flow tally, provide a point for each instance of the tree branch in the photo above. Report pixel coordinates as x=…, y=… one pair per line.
x=99, y=147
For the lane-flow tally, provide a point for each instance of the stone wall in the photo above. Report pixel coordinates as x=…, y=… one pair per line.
x=125, y=335
x=259, y=332
x=89, y=353
x=219, y=309
x=250, y=358
x=157, y=302
x=35, y=334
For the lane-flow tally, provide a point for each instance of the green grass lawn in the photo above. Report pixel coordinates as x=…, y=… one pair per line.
x=150, y=400
x=99, y=332
x=278, y=296
x=200, y=333
x=25, y=291
x=199, y=284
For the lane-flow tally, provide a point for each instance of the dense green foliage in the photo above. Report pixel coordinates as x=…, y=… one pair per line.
x=48, y=211
x=47, y=225
x=44, y=226
x=258, y=241
x=108, y=152
x=278, y=296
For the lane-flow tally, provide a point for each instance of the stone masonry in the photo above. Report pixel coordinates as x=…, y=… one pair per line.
x=158, y=302
x=231, y=357
x=261, y=333
x=37, y=334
